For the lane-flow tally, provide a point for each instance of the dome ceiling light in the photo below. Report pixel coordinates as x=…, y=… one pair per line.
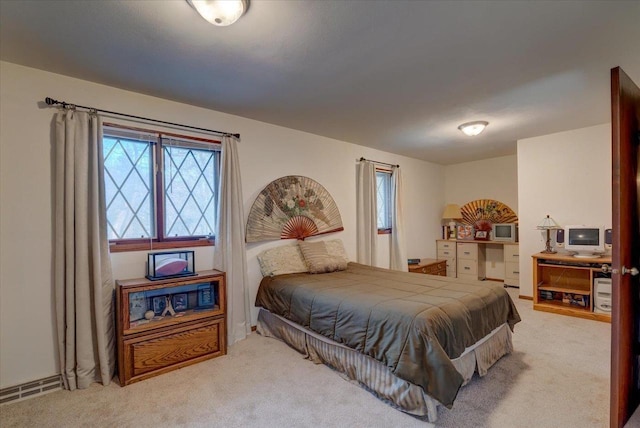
x=473, y=128
x=220, y=12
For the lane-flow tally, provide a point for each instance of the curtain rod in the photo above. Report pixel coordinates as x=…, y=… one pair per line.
x=51, y=101
x=381, y=163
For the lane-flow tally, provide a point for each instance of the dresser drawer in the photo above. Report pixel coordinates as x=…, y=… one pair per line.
x=446, y=245
x=512, y=270
x=511, y=253
x=174, y=348
x=467, y=251
x=447, y=254
x=466, y=266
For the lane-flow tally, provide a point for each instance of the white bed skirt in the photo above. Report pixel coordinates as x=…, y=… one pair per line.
x=375, y=377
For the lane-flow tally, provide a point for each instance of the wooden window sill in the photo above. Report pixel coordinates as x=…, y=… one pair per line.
x=166, y=245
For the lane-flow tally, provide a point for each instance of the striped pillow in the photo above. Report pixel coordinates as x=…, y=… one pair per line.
x=318, y=258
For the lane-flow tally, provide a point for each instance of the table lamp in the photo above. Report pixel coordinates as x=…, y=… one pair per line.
x=452, y=213
x=548, y=224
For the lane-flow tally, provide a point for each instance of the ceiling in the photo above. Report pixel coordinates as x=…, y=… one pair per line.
x=398, y=76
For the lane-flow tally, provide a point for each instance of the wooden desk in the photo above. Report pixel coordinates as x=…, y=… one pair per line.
x=558, y=277
x=430, y=267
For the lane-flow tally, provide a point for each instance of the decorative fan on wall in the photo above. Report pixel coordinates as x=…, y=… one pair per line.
x=292, y=207
x=487, y=209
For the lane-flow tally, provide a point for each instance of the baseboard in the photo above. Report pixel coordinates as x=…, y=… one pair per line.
x=31, y=389
x=525, y=297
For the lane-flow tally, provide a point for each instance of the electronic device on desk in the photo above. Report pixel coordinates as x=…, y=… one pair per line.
x=413, y=261
x=586, y=241
x=507, y=232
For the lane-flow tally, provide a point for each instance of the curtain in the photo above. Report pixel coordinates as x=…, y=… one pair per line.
x=229, y=252
x=367, y=213
x=398, y=246
x=83, y=283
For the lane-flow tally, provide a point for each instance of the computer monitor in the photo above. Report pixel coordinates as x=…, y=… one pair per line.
x=586, y=241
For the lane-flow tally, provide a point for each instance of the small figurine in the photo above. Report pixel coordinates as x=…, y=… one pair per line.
x=168, y=308
x=149, y=314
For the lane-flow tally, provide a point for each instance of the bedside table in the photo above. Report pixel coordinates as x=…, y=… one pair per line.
x=430, y=267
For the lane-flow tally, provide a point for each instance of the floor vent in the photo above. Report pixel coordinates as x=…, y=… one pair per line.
x=30, y=389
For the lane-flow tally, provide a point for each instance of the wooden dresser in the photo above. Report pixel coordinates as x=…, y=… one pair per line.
x=430, y=267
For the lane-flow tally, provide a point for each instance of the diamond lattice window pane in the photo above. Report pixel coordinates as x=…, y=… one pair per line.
x=189, y=177
x=128, y=188
x=383, y=193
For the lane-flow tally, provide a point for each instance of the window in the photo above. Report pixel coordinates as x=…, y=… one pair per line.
x=160, y=188
x=383, y=190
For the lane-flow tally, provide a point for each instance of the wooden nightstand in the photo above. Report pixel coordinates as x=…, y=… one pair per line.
x=430, y=267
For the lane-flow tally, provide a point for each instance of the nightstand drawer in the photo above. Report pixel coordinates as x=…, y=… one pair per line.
x=467, y=251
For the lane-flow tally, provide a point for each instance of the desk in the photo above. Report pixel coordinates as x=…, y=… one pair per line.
x=496, y=260
x=561, y=280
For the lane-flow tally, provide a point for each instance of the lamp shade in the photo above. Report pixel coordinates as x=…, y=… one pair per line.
x=452, y=211
x=548, y=223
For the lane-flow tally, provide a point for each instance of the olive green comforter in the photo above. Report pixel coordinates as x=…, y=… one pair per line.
x=414, y=324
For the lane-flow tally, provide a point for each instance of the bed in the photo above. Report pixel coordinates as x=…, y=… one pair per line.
x=412, y=340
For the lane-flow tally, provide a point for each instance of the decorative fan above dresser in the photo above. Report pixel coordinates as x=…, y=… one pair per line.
x=292, y=207
x=487, y=209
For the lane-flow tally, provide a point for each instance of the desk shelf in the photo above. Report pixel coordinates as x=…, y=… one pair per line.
x=557, y=277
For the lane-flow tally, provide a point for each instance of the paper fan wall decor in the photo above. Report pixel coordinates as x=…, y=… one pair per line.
x=292, y=207
x=487, y=209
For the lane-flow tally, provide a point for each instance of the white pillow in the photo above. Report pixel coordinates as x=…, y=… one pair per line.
x=282, y=260
x=335, y=247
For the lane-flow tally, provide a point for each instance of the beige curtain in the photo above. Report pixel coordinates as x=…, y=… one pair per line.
x=229, y=253
x=83, y=283
x=398, y=246
x=367, y=213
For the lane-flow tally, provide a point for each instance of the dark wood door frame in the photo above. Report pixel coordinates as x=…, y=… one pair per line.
x=625, y=121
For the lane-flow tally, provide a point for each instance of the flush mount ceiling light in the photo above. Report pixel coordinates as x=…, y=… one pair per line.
x=220, y=12
x=473, y=128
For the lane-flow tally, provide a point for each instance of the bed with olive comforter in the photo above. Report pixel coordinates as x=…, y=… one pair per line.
x=414, y=325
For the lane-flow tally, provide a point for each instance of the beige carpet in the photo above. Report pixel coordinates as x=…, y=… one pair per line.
x=558, y=376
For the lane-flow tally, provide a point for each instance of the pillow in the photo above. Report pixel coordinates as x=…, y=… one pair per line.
x=335, y=247
x=318, y=258
x=282, y=260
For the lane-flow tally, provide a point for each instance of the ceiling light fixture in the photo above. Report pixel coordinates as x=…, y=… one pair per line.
x=220, y=12
x=473, y=128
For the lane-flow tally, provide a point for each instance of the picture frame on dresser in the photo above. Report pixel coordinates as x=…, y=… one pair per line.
x=481, y=235
x=465, y=232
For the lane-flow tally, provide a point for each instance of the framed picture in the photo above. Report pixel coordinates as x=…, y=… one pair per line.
x=481, y=235
x=465, y=231
x=180, y=302
x=205, y=296
x=137, y=306
x=159, y=303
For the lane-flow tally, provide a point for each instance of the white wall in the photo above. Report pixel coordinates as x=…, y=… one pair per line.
x=567, y=176
x=495, y=178
x=266, y=152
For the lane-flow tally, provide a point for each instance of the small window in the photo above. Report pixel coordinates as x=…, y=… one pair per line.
x=161, y=189
x=383, y=190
